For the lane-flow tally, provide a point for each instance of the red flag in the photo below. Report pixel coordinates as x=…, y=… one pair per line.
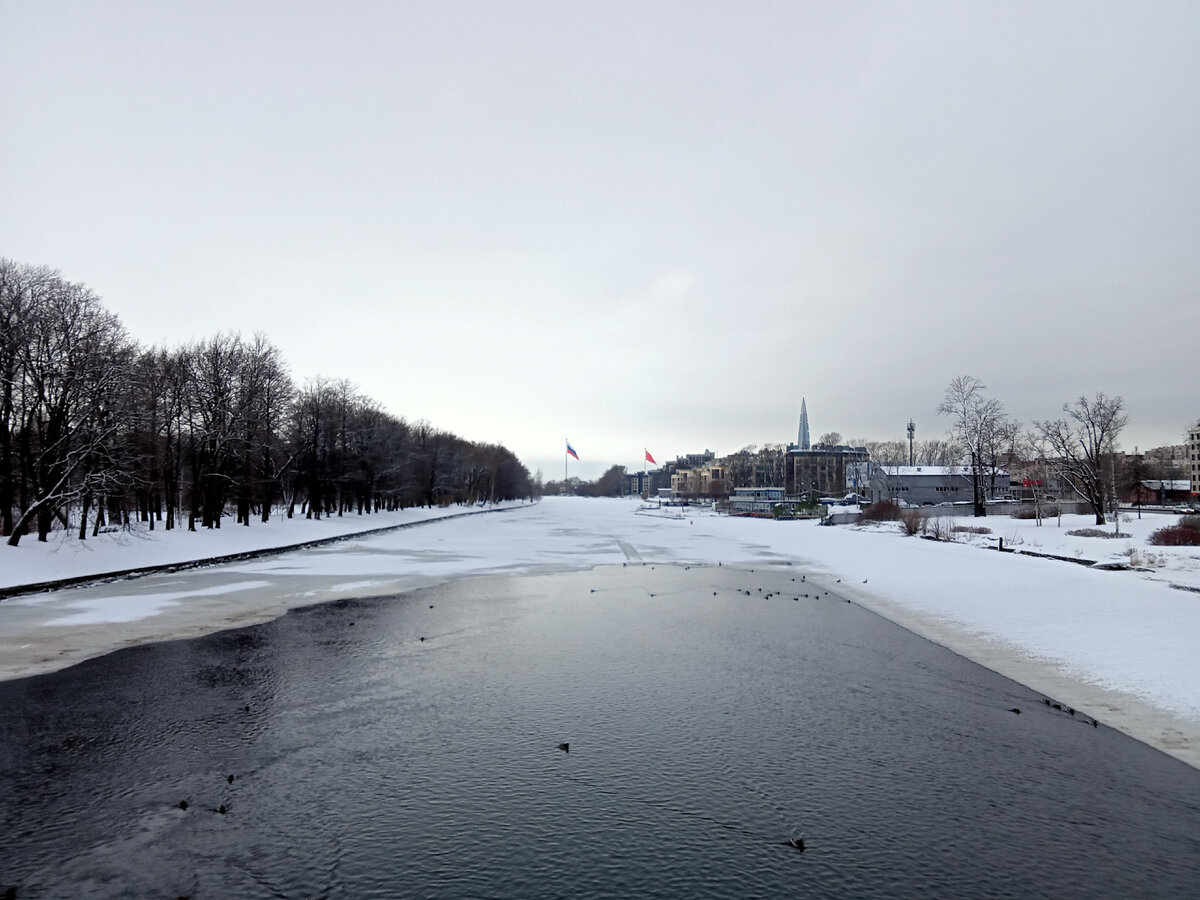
x=649, y=458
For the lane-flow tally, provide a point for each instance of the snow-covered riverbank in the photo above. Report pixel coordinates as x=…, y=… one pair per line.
x=1119, y=645
x=123, y=549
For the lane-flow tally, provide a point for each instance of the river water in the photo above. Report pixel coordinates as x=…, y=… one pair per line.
x=408, y=746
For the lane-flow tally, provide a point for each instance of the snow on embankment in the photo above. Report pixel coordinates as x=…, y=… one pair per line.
x=64, y=559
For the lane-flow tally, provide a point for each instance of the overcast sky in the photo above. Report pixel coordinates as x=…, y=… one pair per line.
x=632, y=224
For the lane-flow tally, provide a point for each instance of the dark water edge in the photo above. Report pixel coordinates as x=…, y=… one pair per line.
x=706, y=728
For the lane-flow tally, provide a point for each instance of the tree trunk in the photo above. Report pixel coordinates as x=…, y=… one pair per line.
x=85, y=507
x=22, y=525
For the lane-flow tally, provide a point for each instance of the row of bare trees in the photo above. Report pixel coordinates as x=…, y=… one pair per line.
x=94, y=427
x=756, y=466
x=931, y=452
x=1077, y=449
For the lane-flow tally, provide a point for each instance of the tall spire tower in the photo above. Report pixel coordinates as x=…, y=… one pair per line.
x=803, y=442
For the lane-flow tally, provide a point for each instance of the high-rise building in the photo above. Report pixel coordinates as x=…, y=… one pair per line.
x=1193, y=458
x=803, y=442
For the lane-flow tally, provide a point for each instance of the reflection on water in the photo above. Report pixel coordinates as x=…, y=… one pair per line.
x=707, y=727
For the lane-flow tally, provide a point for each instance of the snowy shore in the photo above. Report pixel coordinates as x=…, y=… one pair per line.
x=1119, y=646
x=122, y=549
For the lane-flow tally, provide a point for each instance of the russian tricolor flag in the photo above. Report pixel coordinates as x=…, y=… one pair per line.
x=571, y=451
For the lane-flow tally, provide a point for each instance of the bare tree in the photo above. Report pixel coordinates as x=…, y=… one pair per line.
x=214, y=435
x=19, y=286
x=265, y=390
x=312, y=423
x=1077, y=447
x=739, y=466
x=73, y=362
x=173, y=416
x=1001, y=450
x=88, y=421
x=980, y=428
x=770, y=465
x=936, y=452
x=884, y=453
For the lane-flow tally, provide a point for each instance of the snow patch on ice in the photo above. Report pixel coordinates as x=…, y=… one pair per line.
x=131, y=607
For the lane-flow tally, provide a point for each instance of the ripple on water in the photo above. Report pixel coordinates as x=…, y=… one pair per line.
x=706, y=727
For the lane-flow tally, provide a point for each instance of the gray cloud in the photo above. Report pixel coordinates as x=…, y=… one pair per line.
x=632, y=224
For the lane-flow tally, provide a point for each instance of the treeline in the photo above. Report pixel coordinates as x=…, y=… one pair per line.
x=611, y=484
x=97, y=429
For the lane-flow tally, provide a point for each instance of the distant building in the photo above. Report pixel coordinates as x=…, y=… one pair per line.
x=653, y=482
x=1160, y=491
x=932, y=485
x=683, y=483
x=750, y=501
x=637, y=484
x=705, y=481
x=829, y=471
x=770, y=502
x=691, y=460
x=1170, y=462
x=1193, y=458
x=825, y=470
x=763, y=468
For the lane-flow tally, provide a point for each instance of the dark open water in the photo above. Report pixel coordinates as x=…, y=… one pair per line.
x=704, y=732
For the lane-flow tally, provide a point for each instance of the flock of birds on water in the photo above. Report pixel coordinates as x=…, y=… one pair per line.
x=797, y=843
x=1086, y=720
